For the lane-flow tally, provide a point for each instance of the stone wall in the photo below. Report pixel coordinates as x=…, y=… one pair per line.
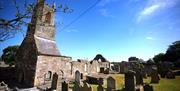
x=46, y=64
x=26, y=61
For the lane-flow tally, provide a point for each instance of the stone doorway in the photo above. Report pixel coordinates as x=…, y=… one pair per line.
x=101, y=70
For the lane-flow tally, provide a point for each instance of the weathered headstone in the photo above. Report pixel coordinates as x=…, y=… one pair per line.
x=154, y=76
x=77, y=77
x=65, y=86
x=164, y=68
x=54, y=81
x=111, y=83
x=170, y=75
x=139, y=78
x=129, y=81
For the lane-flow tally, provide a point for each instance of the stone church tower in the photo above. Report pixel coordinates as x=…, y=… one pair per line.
x=38, y=60
x=38, y=54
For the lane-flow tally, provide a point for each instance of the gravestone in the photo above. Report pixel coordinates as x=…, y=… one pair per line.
x=129, y=81
x=139, y=78
x=86, y=87
x=100, y=88
x=65, y=86
x=77, y=77
x=123, y=67
x=164, y=68
x=154, y=76
x=54, y=81
x=111, y=83
x=170, y=75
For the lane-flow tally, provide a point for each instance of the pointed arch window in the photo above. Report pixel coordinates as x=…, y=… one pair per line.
x=48, y=75
x=48, y=17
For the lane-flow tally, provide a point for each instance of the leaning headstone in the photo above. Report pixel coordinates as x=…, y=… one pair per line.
x=139, y=78
x=86, y=87
x=111, y=83
x=154, y=76
x=129, y=81
x=170, y=75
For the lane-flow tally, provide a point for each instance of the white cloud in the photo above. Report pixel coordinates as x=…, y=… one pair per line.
x=155, y=6
x=150, y=9
x=149, y=38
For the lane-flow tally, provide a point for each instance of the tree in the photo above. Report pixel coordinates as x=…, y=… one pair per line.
x=159, y=58
x=10, y=27
x=9, y=53
x=173, y=52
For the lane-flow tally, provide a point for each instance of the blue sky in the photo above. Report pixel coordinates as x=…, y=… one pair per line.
x=117, y=29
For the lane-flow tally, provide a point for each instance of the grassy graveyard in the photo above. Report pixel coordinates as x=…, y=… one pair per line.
x=164, y=84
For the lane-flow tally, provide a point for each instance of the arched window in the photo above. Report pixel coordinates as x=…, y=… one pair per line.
x=61, y=74
x=85, y=67
x=48, y=17
x=48, y=75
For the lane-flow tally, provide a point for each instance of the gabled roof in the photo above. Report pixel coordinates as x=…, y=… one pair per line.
x=99, y=58
x=46, y=47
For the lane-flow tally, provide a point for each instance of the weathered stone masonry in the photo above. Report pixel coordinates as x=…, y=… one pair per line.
x=39, y=61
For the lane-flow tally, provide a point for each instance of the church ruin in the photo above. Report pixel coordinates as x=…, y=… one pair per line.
x=39, y=61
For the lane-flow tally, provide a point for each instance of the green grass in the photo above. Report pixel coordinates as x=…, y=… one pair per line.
x=163, y=85
x=119, y=82
x=166, y=84
x=94, y=87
